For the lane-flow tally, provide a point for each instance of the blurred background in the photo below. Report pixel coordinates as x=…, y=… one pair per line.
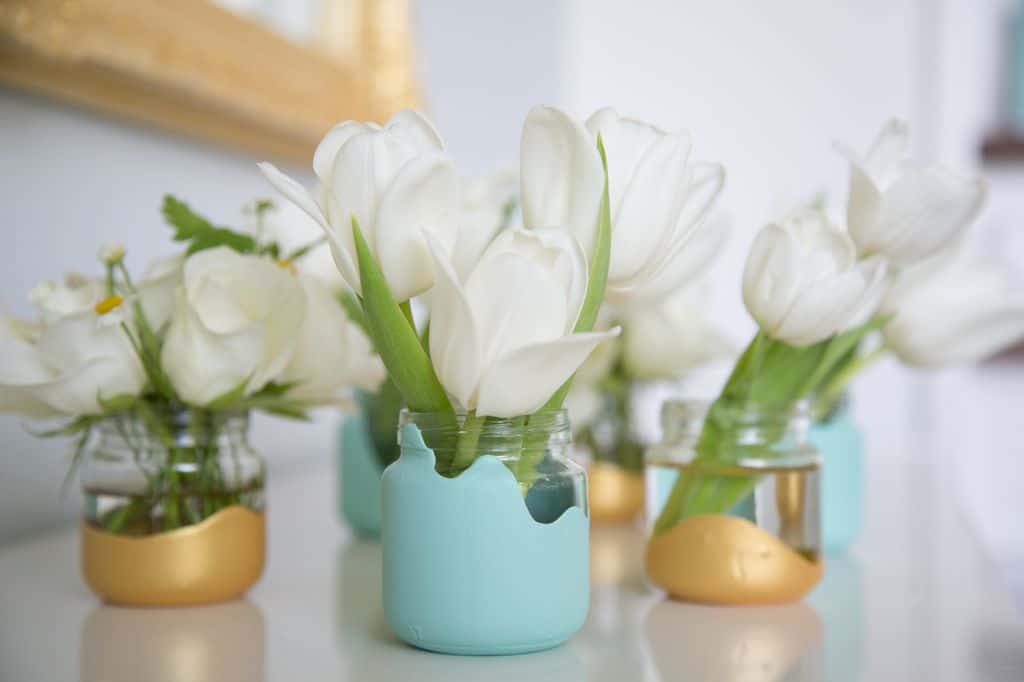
x=91, y=139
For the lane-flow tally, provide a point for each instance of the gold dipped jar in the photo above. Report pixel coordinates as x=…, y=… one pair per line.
x=174, y=507
x=733, y=504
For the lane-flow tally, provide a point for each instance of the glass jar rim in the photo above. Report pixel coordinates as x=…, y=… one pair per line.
x=746, y=413
x=175, y=418
x=550, y=425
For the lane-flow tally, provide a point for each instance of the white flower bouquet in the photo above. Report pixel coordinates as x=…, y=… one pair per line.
x=162, y=369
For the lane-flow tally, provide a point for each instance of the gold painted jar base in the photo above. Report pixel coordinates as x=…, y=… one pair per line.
x=718, y=559
x=614, y=494
x=215, y=560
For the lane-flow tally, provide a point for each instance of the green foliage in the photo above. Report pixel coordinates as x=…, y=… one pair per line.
x=772, y=376
x=394, y=338
x=200, y=233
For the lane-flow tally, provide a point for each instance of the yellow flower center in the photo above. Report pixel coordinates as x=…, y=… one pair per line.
x=108, y=304
x=287, y=265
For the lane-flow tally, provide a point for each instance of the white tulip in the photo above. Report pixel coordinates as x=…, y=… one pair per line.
x=666, y=339
x=658, y=196
x=803, y=283
x=484, y=202
x=234, y=325
x=71, y=362
x=902, y=211
x=501, y=340
x=332, y=352
x=951, y=311
x=397, y=182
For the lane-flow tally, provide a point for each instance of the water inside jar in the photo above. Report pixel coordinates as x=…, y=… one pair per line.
x=785, y=500
x=126, y=514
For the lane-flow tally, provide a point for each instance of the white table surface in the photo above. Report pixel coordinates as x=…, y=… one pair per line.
x=915, y=600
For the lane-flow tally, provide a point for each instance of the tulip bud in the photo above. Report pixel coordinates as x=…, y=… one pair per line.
x=396, y=182
x=803, y=282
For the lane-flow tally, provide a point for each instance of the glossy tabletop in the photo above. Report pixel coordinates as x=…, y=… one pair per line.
x=915, y=599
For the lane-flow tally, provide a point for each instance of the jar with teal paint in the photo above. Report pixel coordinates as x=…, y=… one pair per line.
x=838, y=438
x=493, y=559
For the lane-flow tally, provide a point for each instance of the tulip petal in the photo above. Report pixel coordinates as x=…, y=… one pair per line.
x=293, y=191
x=626, y=142
x=562, y=176
x=414, y=128
x=691, y=245
x=648, y=207
x=454, y=337
x=833, y=305
x=299, y=196
x=424, y=198
x=520, y=382
x=559, y=250
x=771, y=276
x=516, y=301
x=887, y=153
x=925, y=210
x=331, y=144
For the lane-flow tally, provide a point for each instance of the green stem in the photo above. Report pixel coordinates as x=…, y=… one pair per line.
x=466, y=445
x=829, y=394
x=406, y=308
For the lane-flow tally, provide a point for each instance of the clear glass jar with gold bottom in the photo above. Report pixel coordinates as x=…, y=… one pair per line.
x=614, y=453
x=173, y=507
x=734, y=509
x=484, y=534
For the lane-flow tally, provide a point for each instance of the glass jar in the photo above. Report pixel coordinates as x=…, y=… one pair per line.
x=613, y=449
x=150, y=471
x=838, y=438
x=484, y=534
x=173, y=508
x=734, y=494
x=535, y=449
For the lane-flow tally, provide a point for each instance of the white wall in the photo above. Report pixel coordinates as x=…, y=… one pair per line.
x=71, y=182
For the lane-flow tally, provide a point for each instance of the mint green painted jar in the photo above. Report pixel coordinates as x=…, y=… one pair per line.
x=495, y=559
x=841, y=445
x=359, y=473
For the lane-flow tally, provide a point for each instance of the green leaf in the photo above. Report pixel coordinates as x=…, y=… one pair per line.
x=354, y=309
x=306, y=248
x=199, y=232
x=117, y=403
x=229, y=398
x=394, y=338
x=597, y=277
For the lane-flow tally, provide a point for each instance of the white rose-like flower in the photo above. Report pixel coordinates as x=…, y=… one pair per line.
x=803, y=283
x=501, y=340
x=69, y=363
x=658, y=197
x=951, y=311
x=902, y=211
x=234, y=324
x=157, y=287
x=332, y=352
x=75, y=294
x=666, y=339
x=397, y=182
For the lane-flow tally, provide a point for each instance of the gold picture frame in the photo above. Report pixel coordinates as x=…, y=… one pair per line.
x=196, y=68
